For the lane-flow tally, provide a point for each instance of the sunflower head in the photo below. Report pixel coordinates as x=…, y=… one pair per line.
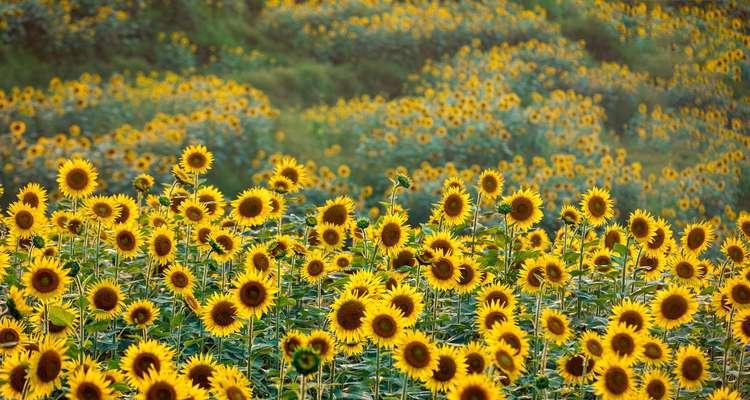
x=77, y=178
x=196, y=159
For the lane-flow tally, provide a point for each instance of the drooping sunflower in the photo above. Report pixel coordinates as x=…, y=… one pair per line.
x=102, y=209
x=623, y=342
x=490, y=184
x=296, y=173
x=336, y=211
x=442, y=273
x=655, y=351
x=141, y=313
x=199, y=369
x=193, y=212
x=12, y=336
x=34, y=196
x=614, y=381
x=89, y=384
x=46, y=279
x=384, y=325
x=47, y=366
x=597, y=206
x=127, y=240
x=476, y=357
x=105, y=299
x=490, y=314
x=642, y=226
x=737, y=291
x=476, y=387
x=416, y=355
x=656, y=385
x=454, y=207
x=143, y=356
x=531, y=278
x=162, y=246
x=228, y=383
x=592, y=345
x=468, y=274
x=408, y=300
x=24, y=220
x=77, y=178
x=347, y=317
x=15, y=377
x=556, y=326
x=691, y=367
x=221, y=315
x=322, y=342
x=331, y=236
x=632, y=313
x=735, y=250
x=526, y=208
x=392, y=233
x=196, y=159
x=741, y=326
x=504, y=357
x=451, y=369
x=672, y=307
x=252, y=207
x=162, y=385
x=253, y=294
x=697, y=237
x=179, y=279
x=510, y=333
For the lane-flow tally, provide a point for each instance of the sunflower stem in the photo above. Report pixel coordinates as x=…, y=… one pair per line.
x=377, y=372
x=250, y=332
x=319, y=388
x=98, y=243
x=404, y=385
x=624, y=268
x=740, y=368
x=302, y=388
x=727, y=344
x=580, y=267
x=474, y=224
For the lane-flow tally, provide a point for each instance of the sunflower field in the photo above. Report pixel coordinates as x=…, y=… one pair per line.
x=374, y=199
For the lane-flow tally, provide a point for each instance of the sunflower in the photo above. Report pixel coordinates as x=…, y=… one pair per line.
x=570, y=215
x=347, y=317
x=476, y=387
x=741, y=326
x=468, y=274
x=526, y=208
x=490, y=184
x=510, y=333
x=352, y=349
x=499, y=293
x=691, y=367
x=440, y=241
x=102, y=209
x=613, y=234
x=734, y=250
x=296, y=173
x=531, y=277
x=725, y=393
x=280, y=184
x=20, y=300
x=556, y=326
x=89, y=385
x=537, y=240
x=315, y=267
x=143, y=182
x=451, y=369
x=576, y=368
x=656, y=385
x=46, y=366
x=555, y=271
x=476, y=357
x=684, y=269
x=592, y=345
x=162, y=385
x=655, y=351
x=278, y=206
x=252, y=207
x=597, y=206
x=672, y=307
x=337, y=211
x=697, y=237
x=384, y=325
x=76, y=178
x=737, y=291
x=454, y=207
x=228, y=245
x=653, y=266
x=141, y=313
x=443, y=274
x=290, y=342
x=196, y=159
x=633, y=314
x=162, y=245
x=12, y=336
x=331, y=236
x=193, y=212
x=615, y=380
x=228, y=383
x=213, y=200
x=24, y=220
x=179, y=279
x=199, y=369
x=505, y=358
x=143, y=356
x=253, y=294
x=15, y=377
x=341, y=261
x=365, y=284
x=416, y=355
x=34, y=196
x=221, y=315
x=743, y=224
x=408, y=300
x=127, y=240
x=46, y=279
x=322, y=342
x=257, y=259
x=642, y=226
x=490, y=314
x=623, y=342
x=128, y=209
x=105, y=299
x=392, y=233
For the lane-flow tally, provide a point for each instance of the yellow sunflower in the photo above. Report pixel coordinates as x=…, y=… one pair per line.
x=12, y=336
x=454, y=207
x=468, y=274
x=162, y=246
x=46, y=279
x=655, y=351
x=592, y=345
x=392, y=233
x=102, y=209
x=179, y=279
x=228, y=245
x=34, y=196
x=128, y=209
x=691, y=367
x=141, y=313
x=614, y=381
x=697, y=237
x=253, y=294
x=408, y=301
x=290, y=342
x=490, y=314
x=47, y=366
x=556, y=326
x=510, y=333
x=725, y=393
x=642, y=226
x=196, y=159
x=737, y=291
x=662, y=239
x=90, y=384
x=162, y=385
x=105, y=299
x=632, y=313
x=576, y=368
x=322, y=342
x=15, y=377
x=656, y=385
x=252, y=207
x=257, y=259
x=504, y=357
x=331, y=236
x=24, y=220
x=450, y=370
x=443, y=273
x=623, y=342
x=315, y=267
x=526, y=208
x=673, y=307
x=532, y=276
x=296, y=173
x=684, y=269
x=228, y=383
x=199, y=369
x=734, y=250
x=193, y=212
x=476, y=387
x=213, y=200
x=741, y=326
x=476, y=357
x=336, y=211
x=77, y=178
x=597, y=206
x=416, y=355
x=127, y=240
x=347, y=317
x=221, y=315
x=743, y=224
x=143, y=356
x=384, y=325
x=490, y=184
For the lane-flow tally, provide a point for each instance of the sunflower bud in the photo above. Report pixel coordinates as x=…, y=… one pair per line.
x=38, y=241
x=403, y=181
x=73, y=268
x=305, y=360
x=542, y=382
x=363, y=223
x=310, y=221
x=504, y=208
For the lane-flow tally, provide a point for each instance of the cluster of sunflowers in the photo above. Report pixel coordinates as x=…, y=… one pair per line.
x=180, y=294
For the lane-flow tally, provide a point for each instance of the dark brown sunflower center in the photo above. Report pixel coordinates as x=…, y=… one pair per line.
x=736, y=254
x=501, y=298
x=45, y=280
x=17, y=378
x=741, y=293
x=315, y=268
x=106, y=299
x=290, y=173
x=554, y=272
x=658, y=240
x=441, y=244
x=209, y=202
x=261, y=262
x=505, y=361
x=745, y=327
x=161, y=391
x=533, y=278
x=88, y=391
x=453, y=205
x=30, y=199
x=335, y=214
x=535, y=240
x=522, y=209
x=197, y=160
x=674, y=307
x=200, y=375
x=417, y=354
x=446, y=370
x=513, y=340
x=384, y=326
x=695, y=239
x=490, y=184
x=639, y=227
x=251, y=207
x=656, y=389
x=9, y=338
x=226, y=242
x=652, y=351
x=403, y=303
x=597, y=206
x=648, y=263
x=466, y=275
x=475, y=363
x=685, y=270
x=692, y=368
x=24, y=219
x=320, y=345
x=349, y=315
x=223, y=313
x=125, y=240
x=623, y=344
x=162, y=245
x=556, y=326
x=611, y=238
x=141, y=315
x=616, y=380
x=442, y=269
x=179, y=279
x=390, y=234
x=77, y=179
x=145, y=361
x=632, y=318
x=594, y=347
x=331, y=237
x=746, y=228
x=575, y=364
x=253, y=294
x=494, y=317
x=194, y=214
x=474, y=392
x=49, y=366
x=124, y=214
x=290, y=345
x=103, y=210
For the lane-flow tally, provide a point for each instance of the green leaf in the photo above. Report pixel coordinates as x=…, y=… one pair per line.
x=59, y=316
x=620, y=249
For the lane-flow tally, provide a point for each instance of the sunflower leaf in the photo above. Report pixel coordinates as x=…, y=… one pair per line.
x=59, y=316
